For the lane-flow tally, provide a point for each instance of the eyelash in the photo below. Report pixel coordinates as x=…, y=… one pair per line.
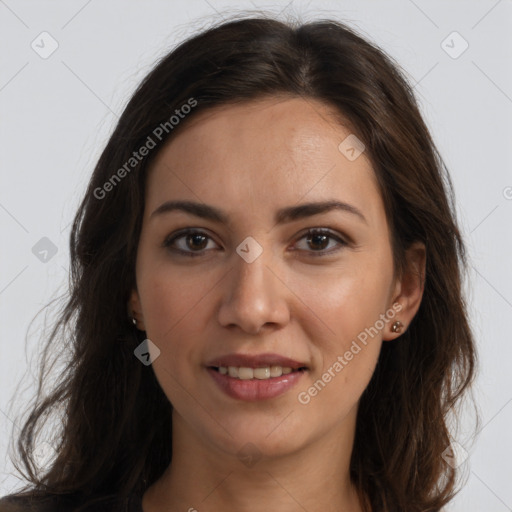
x=311, y=232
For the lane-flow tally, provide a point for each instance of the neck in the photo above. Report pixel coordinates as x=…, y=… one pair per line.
x=313, y=478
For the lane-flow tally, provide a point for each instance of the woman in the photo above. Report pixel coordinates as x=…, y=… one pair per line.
x=266, y=307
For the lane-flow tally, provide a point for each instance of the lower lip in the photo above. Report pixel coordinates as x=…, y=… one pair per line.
x=252, y=390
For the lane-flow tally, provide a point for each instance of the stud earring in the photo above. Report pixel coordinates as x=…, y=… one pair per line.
x=397, y=327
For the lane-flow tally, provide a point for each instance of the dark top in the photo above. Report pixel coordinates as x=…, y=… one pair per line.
x=66, y=504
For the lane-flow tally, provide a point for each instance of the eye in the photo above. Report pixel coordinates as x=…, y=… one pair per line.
x=194, y=242
x=193, y=239
x=318, y=239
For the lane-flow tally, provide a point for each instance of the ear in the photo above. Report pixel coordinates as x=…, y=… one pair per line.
x=408, y=290
x=135, y=310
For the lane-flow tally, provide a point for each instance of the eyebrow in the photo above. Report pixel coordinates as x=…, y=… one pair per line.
x=283, y=216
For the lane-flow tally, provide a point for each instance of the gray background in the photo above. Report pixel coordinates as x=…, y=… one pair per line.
x=57, y=112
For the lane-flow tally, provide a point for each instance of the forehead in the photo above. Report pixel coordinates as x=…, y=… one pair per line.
x=263, y=154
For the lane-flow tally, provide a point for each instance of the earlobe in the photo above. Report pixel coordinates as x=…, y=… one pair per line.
x=134, y=311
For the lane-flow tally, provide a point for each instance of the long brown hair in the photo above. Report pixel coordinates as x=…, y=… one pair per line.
x=115, y=436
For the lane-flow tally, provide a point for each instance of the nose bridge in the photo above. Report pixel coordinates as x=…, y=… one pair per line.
x=253, y=295
x=250, y=276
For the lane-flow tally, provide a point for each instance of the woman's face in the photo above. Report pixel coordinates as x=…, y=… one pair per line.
x=253, y=282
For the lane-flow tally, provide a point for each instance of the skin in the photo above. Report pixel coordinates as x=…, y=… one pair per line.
x=250, y=160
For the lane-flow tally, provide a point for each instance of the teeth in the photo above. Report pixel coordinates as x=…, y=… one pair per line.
x=262, y=373
x=276, y=371
x=244, y=373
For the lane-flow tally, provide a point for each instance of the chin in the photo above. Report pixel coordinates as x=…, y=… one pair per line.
x=261, y=439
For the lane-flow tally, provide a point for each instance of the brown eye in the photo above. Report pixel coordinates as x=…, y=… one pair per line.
x=196, y=241
x=317, y=240
x=190, y=242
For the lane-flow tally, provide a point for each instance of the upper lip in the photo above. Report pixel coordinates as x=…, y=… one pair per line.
x=255, y=361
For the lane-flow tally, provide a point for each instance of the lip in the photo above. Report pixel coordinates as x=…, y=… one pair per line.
x=255, y=361
x=254, y=389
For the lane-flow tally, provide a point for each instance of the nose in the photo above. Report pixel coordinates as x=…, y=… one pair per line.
x=254, y=297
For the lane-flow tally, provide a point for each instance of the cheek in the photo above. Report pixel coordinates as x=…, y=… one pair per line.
x=170, y=311
x=347, y=359
x=171, y=297
x=175, y=309
x=347, y=331
x=345, y=303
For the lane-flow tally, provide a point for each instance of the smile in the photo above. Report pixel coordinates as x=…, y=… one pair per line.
x=254, y=384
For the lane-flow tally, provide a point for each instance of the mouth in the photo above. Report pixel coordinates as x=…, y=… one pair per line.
x=255, y=377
